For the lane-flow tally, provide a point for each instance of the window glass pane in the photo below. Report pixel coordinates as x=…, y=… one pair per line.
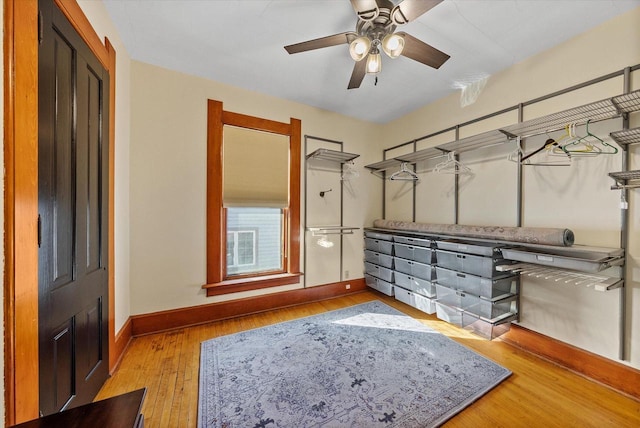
x=256, y=237
x=231, y=245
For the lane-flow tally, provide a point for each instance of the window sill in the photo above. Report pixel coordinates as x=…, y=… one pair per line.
x=246, y=284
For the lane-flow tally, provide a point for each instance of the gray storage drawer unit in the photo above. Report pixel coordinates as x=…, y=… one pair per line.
x=378, y=271
x=479, y=249
x=417, y=285
x=412, y=252
x=378, y=235
x=487, y=328
x=477, y=285
x=384, y=260
x=489, y=308
x=378, y=245
x=408, y=240
x=453, y=278
x=420, y=270
x=379, y=284
x=419, y=302
x=468, y=263
x=449, y=314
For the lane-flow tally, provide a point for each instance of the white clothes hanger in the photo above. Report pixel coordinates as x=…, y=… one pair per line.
x=452, y=166
x=349, y=171
x=405, y=174
x=517, y=154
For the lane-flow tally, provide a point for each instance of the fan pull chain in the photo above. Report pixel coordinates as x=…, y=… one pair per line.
x=375, y=83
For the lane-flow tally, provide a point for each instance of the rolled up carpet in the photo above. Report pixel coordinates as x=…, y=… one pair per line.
x=531, y=235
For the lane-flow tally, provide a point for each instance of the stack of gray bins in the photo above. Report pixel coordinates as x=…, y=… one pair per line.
x=378, y=261
x=414, y=272
x=471, y=292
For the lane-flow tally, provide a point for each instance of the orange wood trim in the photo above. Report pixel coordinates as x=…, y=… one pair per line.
x=76, y=16
x=256, y=123
x=21, y=210
x=216, y=239
x=111, y=252
x=611, y=373
x=295, y=147
x=184, y=317
x=214, y=192
x=9, y=216
x=252, y=283
x=121, y=341
x=21, y=197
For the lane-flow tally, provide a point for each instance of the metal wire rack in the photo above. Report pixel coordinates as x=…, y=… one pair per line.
x=625, y=179
x=379, y=168
x=600, y=110
x=332, y=155
x=561, y=276
x=626, y=137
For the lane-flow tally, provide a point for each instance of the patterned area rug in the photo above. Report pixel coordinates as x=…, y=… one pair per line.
x=364, y=366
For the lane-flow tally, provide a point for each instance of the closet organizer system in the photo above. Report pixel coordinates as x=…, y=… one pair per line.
x=578, y=265
x=333, y=161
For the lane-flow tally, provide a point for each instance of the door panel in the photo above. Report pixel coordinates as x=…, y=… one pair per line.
x=72, y=202
x=62, y=181
x=64, y=378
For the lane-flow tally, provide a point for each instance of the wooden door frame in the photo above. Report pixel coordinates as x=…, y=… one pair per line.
x=21, y=198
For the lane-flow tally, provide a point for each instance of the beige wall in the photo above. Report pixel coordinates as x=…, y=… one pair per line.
x=577, y=197
x=160, y=179
x=168, y=182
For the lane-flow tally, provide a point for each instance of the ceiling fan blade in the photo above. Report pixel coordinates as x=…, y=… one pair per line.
x=359, y=70
x=322, y=42
x=419, y=51
x=408, y=10
x=366, y=9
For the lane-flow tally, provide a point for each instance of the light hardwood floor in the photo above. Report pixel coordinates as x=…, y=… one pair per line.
x=538, y=394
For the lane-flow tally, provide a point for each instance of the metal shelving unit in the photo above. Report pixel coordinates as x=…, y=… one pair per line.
x=332, y=161
x=619, y=106
x=626, y=137
x=625, y=179
x=609, y=108
x=379, y=168
x=332, y=156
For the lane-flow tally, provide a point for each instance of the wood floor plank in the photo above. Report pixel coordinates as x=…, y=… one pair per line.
x=539, y=393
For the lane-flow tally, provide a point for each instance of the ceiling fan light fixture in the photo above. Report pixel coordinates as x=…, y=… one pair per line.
x=359, y=48
x=374, y=62
x=392, y=45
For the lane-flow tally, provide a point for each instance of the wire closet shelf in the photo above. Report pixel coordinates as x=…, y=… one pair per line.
x=609, y=108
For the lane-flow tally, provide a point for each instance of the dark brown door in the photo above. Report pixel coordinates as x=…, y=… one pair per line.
x=72, y=202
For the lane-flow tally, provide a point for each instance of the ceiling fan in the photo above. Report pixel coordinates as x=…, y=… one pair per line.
x=375, y=31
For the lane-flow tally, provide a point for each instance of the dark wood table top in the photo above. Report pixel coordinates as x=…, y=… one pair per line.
x=121, y=411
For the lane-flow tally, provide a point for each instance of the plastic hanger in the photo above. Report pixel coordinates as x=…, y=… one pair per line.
x=349, y=171
x=588, y=145
x=516, y=155
x=547, y=151
x=452, y=166
x=405, y=174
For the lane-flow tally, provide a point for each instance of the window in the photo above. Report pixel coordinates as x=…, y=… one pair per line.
x=253, y=202
x=258, y=250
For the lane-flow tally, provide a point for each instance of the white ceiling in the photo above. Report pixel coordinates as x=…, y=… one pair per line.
x=241, y=43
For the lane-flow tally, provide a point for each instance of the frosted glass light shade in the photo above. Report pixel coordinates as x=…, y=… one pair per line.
x=392, y=45
x=359, y=48
x=374, y=63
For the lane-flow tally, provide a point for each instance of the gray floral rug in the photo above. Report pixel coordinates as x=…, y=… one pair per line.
x=364, y=366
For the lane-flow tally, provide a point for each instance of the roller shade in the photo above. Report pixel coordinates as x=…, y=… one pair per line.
x=255, y=168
